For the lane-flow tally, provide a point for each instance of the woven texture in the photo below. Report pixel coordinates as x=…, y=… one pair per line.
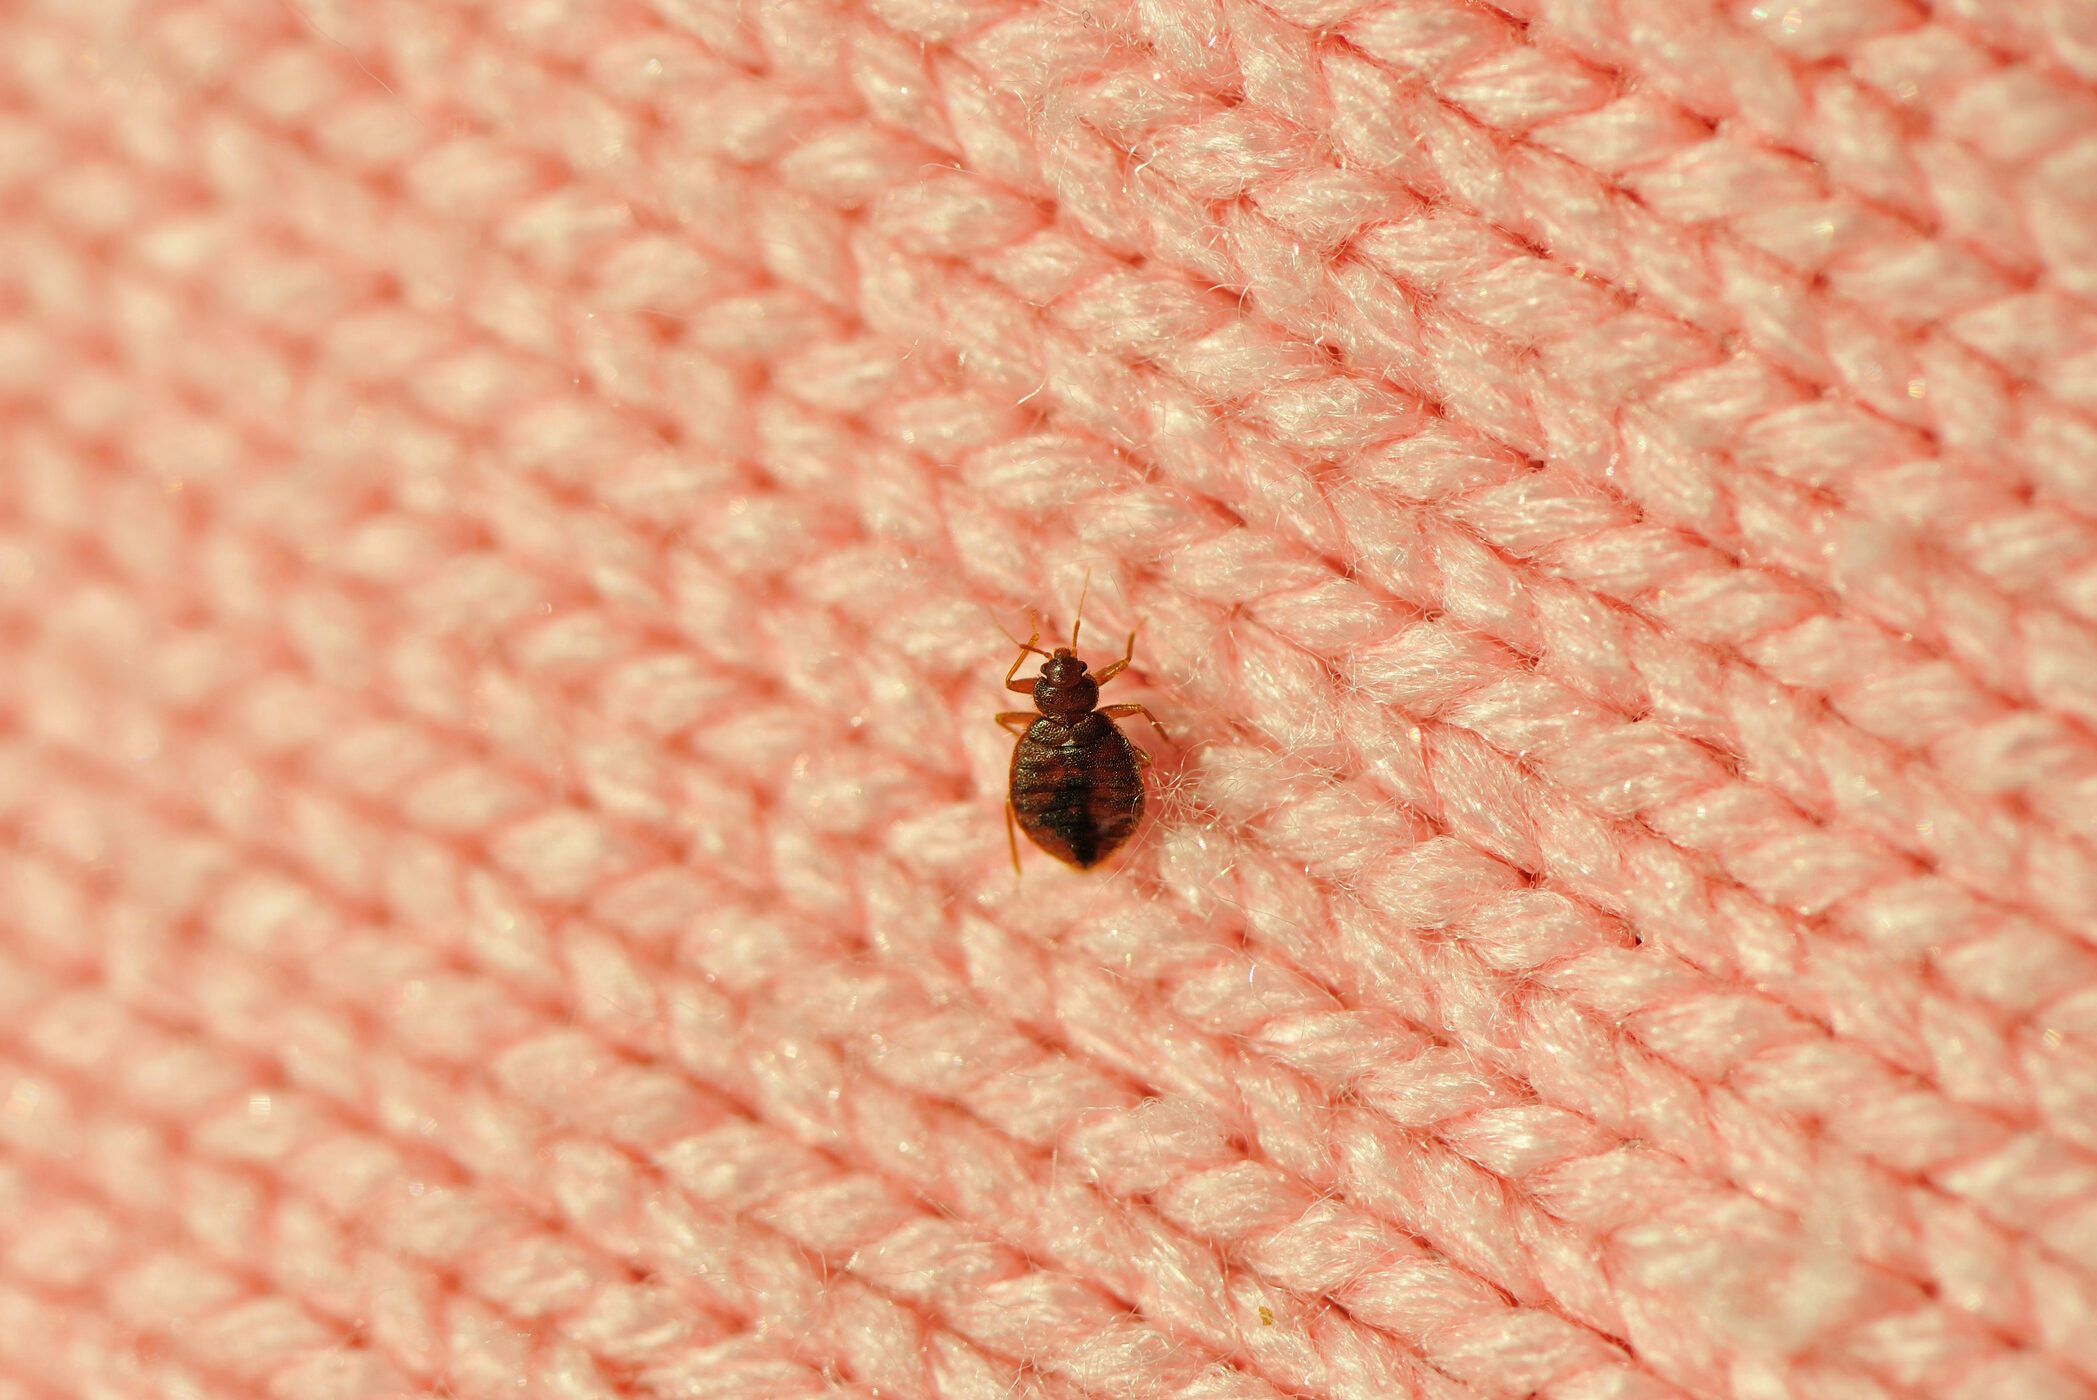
x=506, y=512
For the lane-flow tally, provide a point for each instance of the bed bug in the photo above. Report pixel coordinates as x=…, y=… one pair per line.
x=1077, y=781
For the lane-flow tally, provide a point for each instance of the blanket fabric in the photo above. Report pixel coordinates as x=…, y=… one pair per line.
x=512, y=519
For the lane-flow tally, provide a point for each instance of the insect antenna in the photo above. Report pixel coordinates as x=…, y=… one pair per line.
x=1079, y=620
x=1023, y=646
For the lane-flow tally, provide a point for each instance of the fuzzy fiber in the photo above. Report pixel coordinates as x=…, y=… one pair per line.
x=507, y=509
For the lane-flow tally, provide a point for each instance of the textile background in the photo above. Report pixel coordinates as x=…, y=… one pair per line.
x=506, y=516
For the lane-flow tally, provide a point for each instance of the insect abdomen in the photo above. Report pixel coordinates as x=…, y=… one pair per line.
x=1076, y=790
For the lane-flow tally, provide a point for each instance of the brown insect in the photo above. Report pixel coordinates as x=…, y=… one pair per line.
x=1077, y=781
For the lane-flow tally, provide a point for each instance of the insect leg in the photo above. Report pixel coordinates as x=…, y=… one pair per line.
x=1114, y=668
x=1012, y=839
x=1024, y=718
x=1124, y=711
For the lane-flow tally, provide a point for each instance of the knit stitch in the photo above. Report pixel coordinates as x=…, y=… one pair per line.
x=509, y=510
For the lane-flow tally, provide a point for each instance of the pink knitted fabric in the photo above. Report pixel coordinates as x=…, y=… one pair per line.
x=507, y=509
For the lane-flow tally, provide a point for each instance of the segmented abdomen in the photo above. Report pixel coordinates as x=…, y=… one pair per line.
x=1076, y=790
